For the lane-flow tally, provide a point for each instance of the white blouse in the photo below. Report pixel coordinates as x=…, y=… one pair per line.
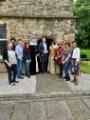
x=76, y=54
x=12, y=57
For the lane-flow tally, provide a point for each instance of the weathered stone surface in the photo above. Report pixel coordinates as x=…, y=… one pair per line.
x=21, y=112
x=38, y=111
x=51, y=84
x=25, y=86
x=44, y=110
x=40, y=17
x=87, y=102
x=2, y=68
x=57, y=110
x=24, y=28
x=6, y=111
x=38, y=7
x=79, y=110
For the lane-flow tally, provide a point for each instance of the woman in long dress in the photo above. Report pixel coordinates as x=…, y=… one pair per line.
x=51, y=63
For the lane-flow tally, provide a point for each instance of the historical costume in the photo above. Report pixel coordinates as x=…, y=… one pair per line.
x=51, y=62
x=33, y=47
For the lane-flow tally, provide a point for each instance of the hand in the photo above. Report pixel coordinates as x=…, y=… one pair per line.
x=9, y=65
x=77, y=62
x=63, y=62
x=37, y=55
x=46, y=52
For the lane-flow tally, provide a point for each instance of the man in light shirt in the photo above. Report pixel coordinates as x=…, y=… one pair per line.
x=19, y=54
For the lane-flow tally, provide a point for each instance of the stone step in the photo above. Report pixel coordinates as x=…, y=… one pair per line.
x=32, y=97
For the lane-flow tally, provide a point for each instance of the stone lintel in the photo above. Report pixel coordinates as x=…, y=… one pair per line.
x=37, y=17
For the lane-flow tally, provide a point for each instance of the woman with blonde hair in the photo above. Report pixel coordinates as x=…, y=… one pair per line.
x=51, y=63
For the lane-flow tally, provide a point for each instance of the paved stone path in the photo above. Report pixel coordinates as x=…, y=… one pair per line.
x=25, y=86
x=52, y=84
x=45, y=97
x=70, y=109
x=44, y=84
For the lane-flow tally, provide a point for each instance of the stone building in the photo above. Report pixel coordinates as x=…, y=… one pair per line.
x=23, y=18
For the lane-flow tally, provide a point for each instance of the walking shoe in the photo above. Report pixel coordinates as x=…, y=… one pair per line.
x=16, y=82
x=20, y=77
x=12, y=84
x=76, y=82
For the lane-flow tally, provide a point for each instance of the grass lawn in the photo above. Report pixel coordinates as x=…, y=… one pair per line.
x=85, y=66
x=86, y=51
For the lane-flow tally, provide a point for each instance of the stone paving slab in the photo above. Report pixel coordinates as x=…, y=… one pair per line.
x=25, y=86
x=74, y=109
x=84, y=84
x=38, y=111
x=58, y=110
x=51, y=84
x=45, y=85
x=6, y=111
x=79, y=110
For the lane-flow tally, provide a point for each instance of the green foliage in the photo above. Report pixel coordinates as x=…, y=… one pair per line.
x=82, y=11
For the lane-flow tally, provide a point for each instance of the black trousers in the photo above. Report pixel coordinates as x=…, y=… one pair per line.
x=12, y=72
x=39, y=64
x=61, y=70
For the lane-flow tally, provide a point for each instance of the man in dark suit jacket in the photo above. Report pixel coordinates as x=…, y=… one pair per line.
x=43, y=54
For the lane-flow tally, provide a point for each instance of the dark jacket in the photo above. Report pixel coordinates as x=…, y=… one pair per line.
x=41, y=48
x=5, y=56
x=27, y=53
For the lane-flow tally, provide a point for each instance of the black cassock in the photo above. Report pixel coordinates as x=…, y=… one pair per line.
x=33, y=59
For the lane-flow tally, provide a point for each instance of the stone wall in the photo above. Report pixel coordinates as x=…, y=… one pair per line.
x=24, y=28
x=37, y=7
x=53, y=18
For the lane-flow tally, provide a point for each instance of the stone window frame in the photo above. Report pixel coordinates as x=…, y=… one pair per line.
x=2, y=40
x=3, y=24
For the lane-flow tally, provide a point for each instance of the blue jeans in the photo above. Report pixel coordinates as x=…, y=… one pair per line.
x=27, y=68
x=19, y=67
x=66, y=70
x=43, y=60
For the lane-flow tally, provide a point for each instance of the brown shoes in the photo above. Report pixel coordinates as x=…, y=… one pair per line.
x=75, y=80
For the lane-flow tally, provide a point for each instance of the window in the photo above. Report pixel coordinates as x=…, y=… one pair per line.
x=2, y=0
x=3, y=32
x=3, y=38
x=2, y=47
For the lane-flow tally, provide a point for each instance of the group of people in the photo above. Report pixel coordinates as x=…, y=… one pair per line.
x=38, y=56
x=65, y=55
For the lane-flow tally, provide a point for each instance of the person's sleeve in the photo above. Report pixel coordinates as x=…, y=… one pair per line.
x=5, y=55
x=40, y=48
x=78, y=55
x=17, y=51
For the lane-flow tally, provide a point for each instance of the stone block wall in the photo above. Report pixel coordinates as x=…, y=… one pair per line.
x=53, y=18
x=37, y=7
x=62, y=29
